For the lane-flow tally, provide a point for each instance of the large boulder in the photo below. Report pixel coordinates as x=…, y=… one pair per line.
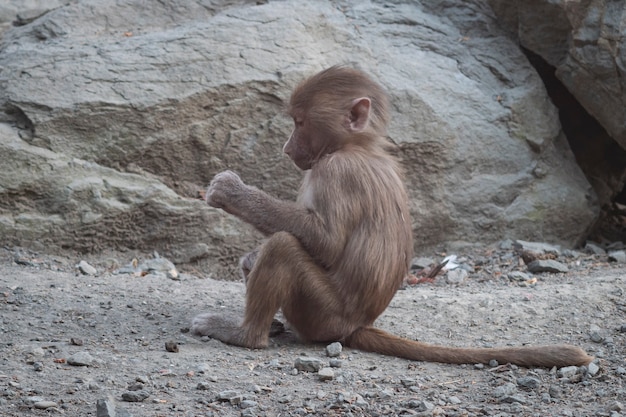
x=586, y=41
x=117, y=114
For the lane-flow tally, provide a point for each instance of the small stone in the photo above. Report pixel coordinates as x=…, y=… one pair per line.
x=33, y=400
x=506, y=244
x=535, y=247
x=171, y=346
x=336, y=363
x=505, y=390
x=594, y=248
x=511, y=399
x=567, y=371
x=248, y=404
x=616, y=406
x=408, y=382
x=136, y=386
x=518, y=276
x=76, y=342
x=203, y=386
x=228, y=395
x=326, y=374
x=80, y=359
x=236, y=400
x=528, y=382
x=285, y=399
x=86, y=269
x=38, y=366
x=593, y=368
x=160, y=265
x=135, y=396
x=456, y=276
x=248, y=412
x=421, y=405
x=546, y=265
x=454, y=400
x=385, y=394
x=493, y=363
x=308, y=364
x=43, y=405
x=618, y=256
x=596, y=337
x=334, y=350
x=105, y=408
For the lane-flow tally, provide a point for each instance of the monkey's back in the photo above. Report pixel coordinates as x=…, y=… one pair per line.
x=368, y=207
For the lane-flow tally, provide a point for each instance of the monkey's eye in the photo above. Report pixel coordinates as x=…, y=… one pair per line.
x=298, y=122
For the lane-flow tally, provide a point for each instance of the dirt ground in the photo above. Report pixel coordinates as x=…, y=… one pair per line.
x=68, y=340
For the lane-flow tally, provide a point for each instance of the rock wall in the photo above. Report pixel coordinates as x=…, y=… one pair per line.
x=116, y=114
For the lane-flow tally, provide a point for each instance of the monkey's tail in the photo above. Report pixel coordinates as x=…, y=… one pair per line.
x=371, y=339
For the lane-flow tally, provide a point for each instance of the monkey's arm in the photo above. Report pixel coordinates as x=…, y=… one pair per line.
x=270, y=215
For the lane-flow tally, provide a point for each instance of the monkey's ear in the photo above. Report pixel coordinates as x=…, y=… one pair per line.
x=359, y=114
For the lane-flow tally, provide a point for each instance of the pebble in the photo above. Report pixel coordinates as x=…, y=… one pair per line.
x=618, y=256
x=511, y=399
x=105, y=408
x=308, y=364
x=335, y=363
x=546, y=265
x=334, y=350
x=32, y=400
x=228, y=395
x=555, y=391
x=456, y=276
x=536, y=247
x=38, y=366
x=135, y=396
x=505, y=390
x=86, y=269
x=171, y=346
x=594, y=248
x=421, y=405
x=248, y=404
x=567, y=371
x=326, y=374
x=43, y=405
x=596, y=337
x=528, y=382
x=454, y=400
x=518, y=276
x=249, y=412
x=80, y=359
x=593, y=368
x=285, y=399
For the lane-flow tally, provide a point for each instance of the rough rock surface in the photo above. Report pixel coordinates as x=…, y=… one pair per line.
x=586, y=42
x=116, y=114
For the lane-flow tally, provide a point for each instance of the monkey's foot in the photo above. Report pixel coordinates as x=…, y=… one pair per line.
x=225, y=329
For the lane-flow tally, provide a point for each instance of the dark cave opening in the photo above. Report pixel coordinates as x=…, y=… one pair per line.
x=602, y=160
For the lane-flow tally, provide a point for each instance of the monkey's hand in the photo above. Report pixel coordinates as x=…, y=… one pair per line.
x=224, y=191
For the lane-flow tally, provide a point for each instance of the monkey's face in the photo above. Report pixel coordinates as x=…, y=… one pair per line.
x=302, y=146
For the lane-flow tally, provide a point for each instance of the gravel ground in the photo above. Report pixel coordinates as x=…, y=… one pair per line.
x=116, y=345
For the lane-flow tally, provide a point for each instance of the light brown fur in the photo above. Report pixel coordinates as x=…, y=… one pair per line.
x=335, y=258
